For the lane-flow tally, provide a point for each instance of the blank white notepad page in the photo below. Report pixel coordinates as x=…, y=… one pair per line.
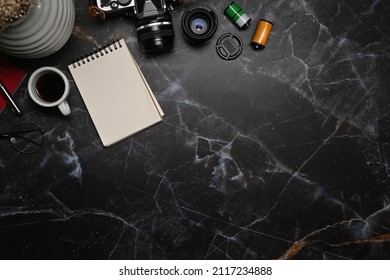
x=115, y=93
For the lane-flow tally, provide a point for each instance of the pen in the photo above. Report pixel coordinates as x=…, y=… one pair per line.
x=15, y=108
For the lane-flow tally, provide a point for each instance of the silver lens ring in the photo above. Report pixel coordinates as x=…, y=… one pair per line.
x=154, y=24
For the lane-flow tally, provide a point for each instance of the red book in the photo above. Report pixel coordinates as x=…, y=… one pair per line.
x=11, y=77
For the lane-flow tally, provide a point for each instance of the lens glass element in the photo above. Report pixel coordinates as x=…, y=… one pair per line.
x=199, y=26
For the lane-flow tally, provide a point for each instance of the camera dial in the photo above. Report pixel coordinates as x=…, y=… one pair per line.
x=124, y=2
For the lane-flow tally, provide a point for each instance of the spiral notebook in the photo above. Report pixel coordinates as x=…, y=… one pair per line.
x=115, y=92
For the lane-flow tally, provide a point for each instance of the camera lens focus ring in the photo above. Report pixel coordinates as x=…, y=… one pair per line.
x=156, y=34
x=199, y=24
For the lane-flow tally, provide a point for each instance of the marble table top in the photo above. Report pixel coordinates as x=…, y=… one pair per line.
x=282, y=153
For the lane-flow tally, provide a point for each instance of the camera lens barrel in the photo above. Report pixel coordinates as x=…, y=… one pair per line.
x=155, y=34
x=199, y=24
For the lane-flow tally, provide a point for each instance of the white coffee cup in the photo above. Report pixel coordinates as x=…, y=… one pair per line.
x=49, y=87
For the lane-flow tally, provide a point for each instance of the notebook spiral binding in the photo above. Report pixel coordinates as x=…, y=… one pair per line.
x=106, y=49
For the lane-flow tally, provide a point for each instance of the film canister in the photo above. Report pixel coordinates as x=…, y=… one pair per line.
x=237, y=15
x=261, y=35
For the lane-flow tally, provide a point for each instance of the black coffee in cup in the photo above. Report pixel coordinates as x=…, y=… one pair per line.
x=50, y=87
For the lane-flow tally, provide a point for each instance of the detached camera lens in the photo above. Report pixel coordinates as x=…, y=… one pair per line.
x=155, y=35
x=199, y=24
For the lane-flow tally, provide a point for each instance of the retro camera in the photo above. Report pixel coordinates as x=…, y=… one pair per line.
x=152, y=19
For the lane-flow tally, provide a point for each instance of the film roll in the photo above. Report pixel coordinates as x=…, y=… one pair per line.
x=261, y=35
x=237, y=15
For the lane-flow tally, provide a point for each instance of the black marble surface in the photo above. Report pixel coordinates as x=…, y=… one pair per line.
x=281, y=153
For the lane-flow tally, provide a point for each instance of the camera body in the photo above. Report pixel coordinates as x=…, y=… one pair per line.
x=152, y=19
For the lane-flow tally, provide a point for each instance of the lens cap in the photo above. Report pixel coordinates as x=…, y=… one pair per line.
x=199, y=24
x=229, y=46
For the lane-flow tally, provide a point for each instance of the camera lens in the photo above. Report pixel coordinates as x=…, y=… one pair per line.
x=155, y=34
x=199, y=24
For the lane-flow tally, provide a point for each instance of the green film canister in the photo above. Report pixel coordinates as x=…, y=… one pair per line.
x=238, y=16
